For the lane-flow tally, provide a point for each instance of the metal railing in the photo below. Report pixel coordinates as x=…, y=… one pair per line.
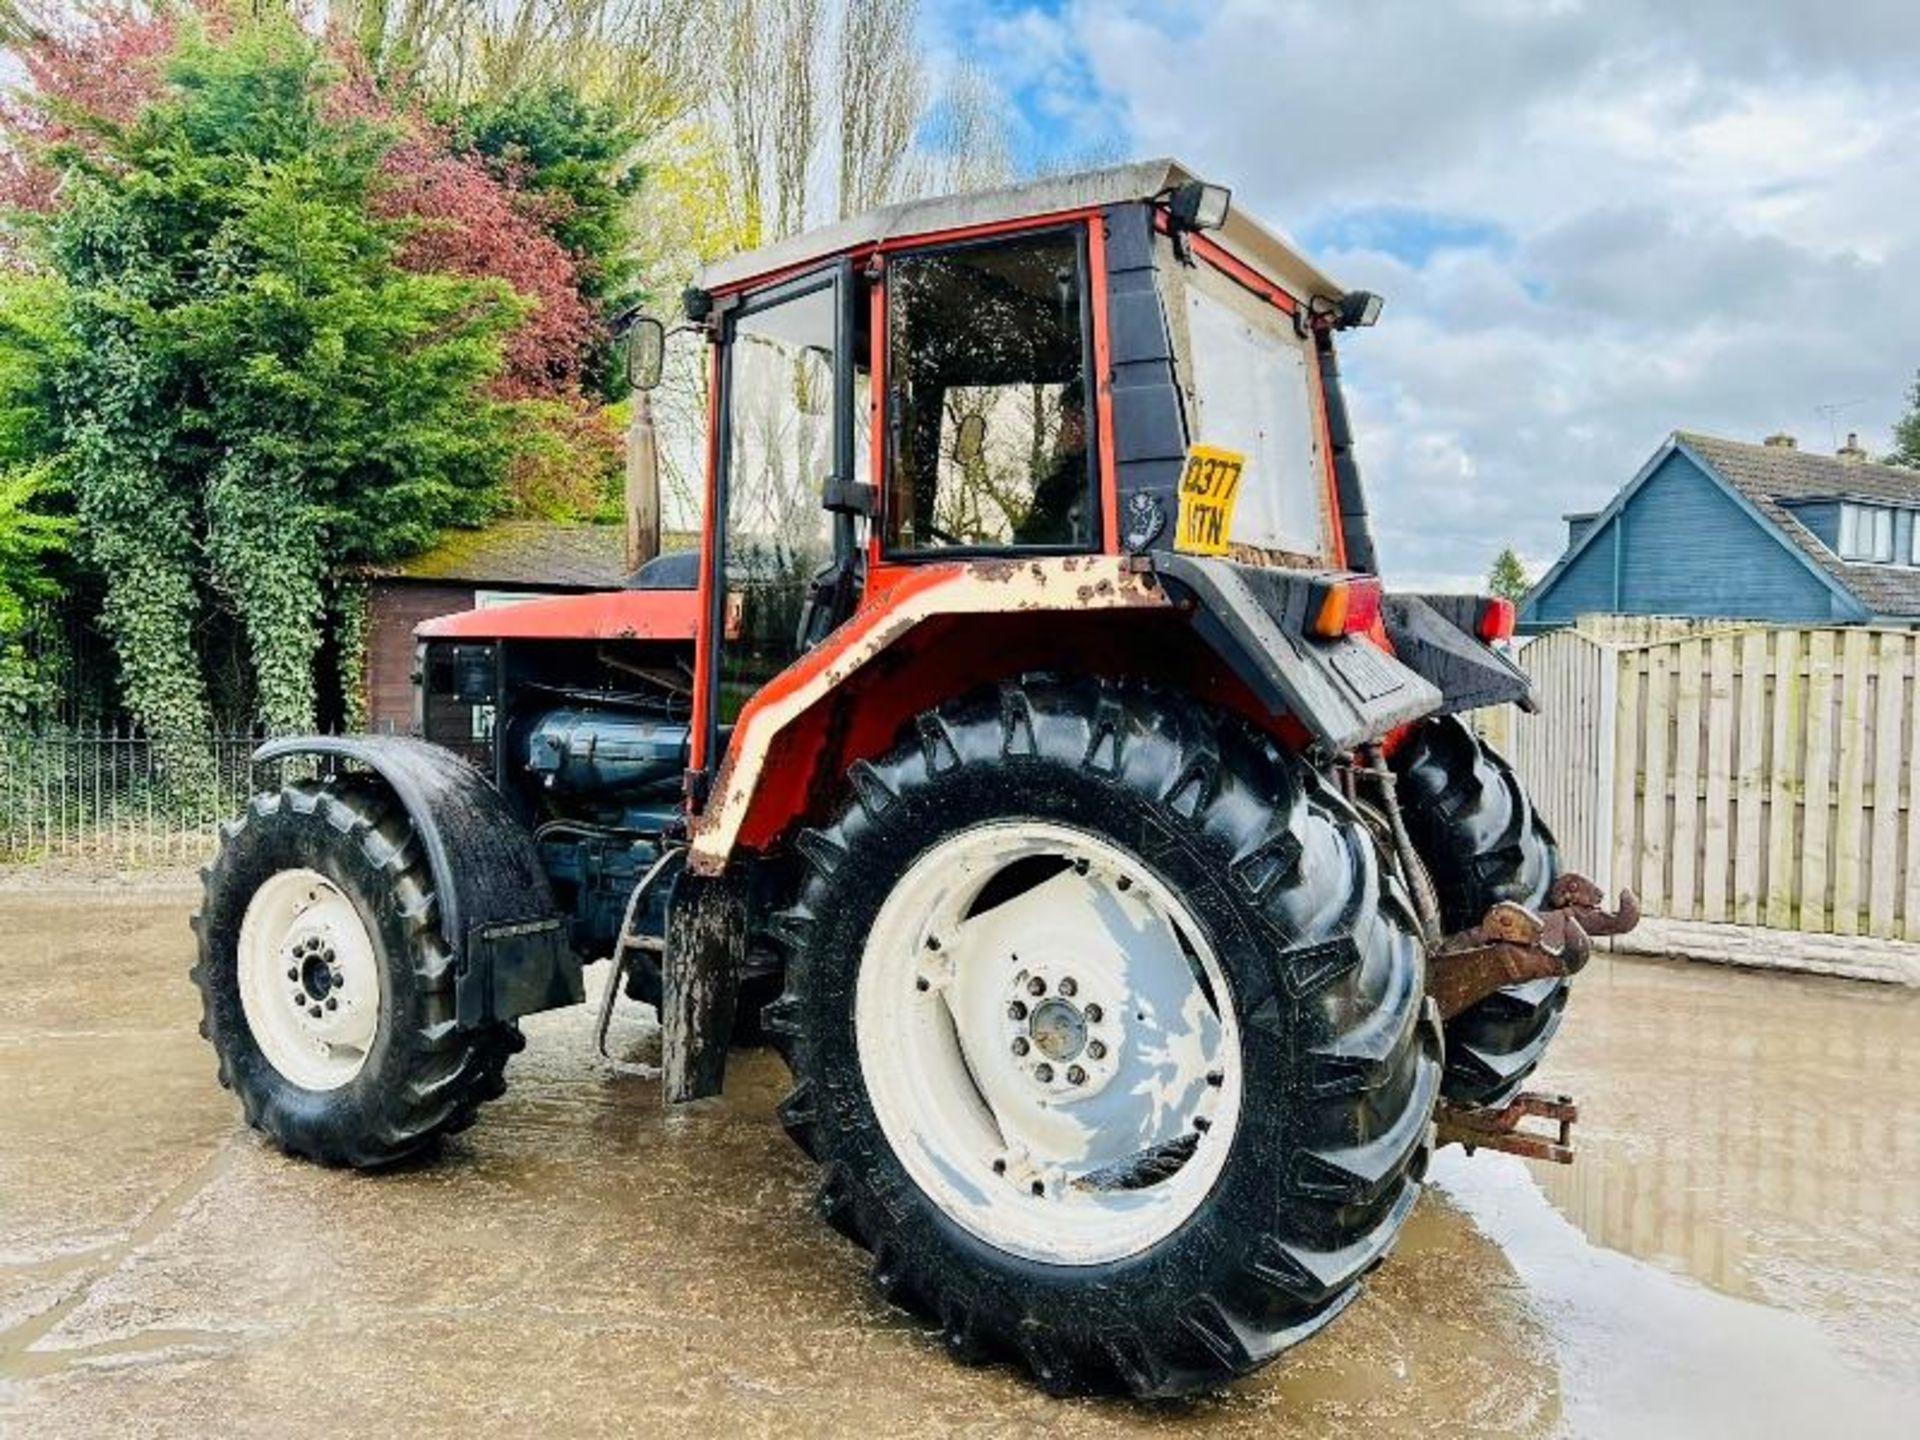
x=118, y=797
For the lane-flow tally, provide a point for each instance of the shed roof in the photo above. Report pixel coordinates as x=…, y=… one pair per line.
x=1774, y=477
x=545, y=553
x=1252, y=242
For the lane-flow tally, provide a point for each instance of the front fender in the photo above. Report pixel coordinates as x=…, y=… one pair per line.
x=496, y=909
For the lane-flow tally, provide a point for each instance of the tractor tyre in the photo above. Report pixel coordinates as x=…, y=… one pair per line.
x=326, y=988
x=1482, y=841
x=1109, y=1036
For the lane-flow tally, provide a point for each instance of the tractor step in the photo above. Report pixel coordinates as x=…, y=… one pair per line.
x=631, y=943
x=1499, y=1127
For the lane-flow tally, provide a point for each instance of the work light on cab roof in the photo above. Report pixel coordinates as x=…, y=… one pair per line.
x=1028, y=748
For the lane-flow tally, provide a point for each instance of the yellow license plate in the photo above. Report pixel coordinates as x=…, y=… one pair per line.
x=1208, y=487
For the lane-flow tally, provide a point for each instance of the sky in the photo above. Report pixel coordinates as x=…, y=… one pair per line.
x=1593, y=223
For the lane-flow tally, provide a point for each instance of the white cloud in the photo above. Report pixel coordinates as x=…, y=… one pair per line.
x=1659, y=215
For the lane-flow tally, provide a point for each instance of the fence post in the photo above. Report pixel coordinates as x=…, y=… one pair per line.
x=1606, y=762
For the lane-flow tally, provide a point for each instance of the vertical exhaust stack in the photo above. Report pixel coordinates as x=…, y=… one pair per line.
x=642, y=483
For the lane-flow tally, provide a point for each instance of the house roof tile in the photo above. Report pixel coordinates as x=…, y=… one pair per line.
x=1773, y=477
x=546, y=553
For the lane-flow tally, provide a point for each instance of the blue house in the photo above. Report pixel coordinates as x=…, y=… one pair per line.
x=1714, y=527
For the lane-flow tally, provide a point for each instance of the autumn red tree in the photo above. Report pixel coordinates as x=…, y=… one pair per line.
x=469, y=216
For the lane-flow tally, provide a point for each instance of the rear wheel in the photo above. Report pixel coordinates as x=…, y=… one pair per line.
x=1109, y=1035
x=326, y=988
x=1482, y=842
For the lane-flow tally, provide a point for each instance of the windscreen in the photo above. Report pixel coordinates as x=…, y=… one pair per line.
x=779, y=449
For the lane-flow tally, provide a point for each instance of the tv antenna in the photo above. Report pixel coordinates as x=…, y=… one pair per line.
x=1832, y=411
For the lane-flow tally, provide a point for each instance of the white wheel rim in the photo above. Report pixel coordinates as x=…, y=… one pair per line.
x=309, y=980
x=968, y=1025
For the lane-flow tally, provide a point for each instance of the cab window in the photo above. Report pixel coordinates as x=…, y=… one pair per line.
x=989, y=441
x=1248, y=384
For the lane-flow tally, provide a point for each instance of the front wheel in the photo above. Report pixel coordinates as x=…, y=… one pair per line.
x=326, y=988
x=1109, y=1035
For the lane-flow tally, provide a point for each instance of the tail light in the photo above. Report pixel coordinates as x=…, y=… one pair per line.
x=1348, y=606
x=1496, y=619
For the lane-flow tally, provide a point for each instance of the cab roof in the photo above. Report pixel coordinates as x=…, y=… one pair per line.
x=1246, y=238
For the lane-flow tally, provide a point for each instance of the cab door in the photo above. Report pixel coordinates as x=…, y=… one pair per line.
x=783, y=442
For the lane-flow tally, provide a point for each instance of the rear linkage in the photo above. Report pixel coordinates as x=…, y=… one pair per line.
x=1510, y=946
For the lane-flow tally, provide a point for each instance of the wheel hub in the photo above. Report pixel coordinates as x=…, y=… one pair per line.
x=309, y=983
x=1059, y=1029
x=1063, y=1034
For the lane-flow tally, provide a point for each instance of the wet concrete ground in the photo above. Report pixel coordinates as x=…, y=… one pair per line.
x=1736, y=1253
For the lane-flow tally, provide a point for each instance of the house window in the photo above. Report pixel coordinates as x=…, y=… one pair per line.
x=1866, y=533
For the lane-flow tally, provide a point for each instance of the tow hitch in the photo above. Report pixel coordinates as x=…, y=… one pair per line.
x=1498, y=1127
x=1511, y=946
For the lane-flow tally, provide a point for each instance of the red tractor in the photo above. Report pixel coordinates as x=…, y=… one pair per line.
x=1028, y=748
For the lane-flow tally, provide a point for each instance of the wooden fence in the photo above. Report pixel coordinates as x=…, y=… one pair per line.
x=1743, y=775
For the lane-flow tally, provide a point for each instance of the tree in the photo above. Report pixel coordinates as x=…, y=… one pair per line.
x=579, y=160
x=35, y=526
x=1508, y=577
x=1906, y=434
x=256, y=391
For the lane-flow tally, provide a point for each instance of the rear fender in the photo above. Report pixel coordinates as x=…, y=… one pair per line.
x=764, y=781
x=496, y=909
x=1434, y=635
x=1344, y=691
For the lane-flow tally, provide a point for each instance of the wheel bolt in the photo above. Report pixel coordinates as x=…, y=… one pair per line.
x=1043, y=1072
x=1125, y=882
x=1216, y=1078
x=1202, y=1124
x=1016, y=1011
x=1068, y=987
x=922, y=983
x=999, y=1167
x=1096, y=1050
x=1036, y=986
x=293, y=974
x=1019, y=1044
x=933, y=942
x=314, y=1012
x=1039, y=1187
x=332, y=1004
x=1094, y=1014
x=1076, y=1076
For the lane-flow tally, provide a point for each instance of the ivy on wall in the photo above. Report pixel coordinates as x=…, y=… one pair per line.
x=351, y=618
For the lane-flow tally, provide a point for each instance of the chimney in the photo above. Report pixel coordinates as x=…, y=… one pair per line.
x=1780, y=440
x=1851, y=452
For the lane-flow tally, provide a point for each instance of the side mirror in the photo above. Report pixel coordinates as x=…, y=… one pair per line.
x=646, y=352
x=970, y=439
